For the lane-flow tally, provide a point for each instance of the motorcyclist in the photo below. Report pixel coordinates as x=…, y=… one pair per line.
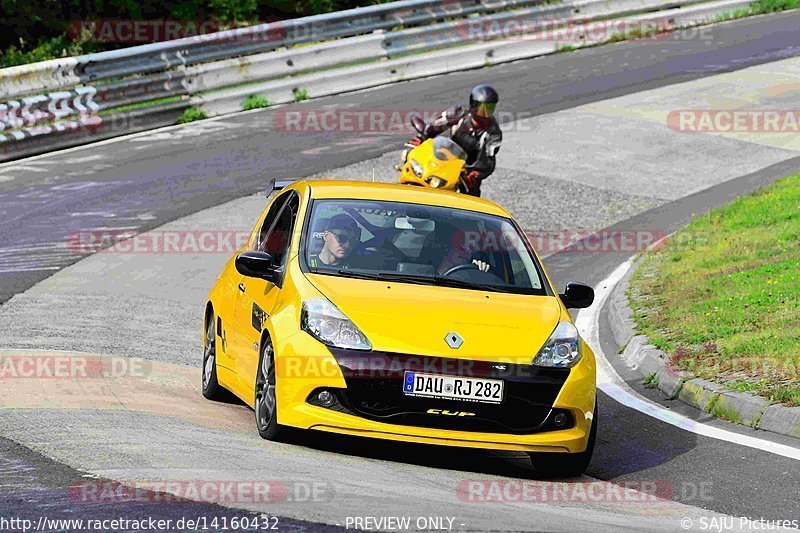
x=474, y=129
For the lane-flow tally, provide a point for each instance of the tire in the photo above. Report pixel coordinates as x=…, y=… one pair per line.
x=564, y=465
x=266, y=404
x=209, y=384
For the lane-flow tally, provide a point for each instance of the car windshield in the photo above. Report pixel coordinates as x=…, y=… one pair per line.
x=445, y=149
x=419, y=244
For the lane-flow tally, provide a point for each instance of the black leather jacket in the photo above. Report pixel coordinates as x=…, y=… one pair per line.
x=481, y=144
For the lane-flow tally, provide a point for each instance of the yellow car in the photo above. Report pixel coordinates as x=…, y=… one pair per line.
x=402, y=313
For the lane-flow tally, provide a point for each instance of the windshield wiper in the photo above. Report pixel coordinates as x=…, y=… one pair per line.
x=347, y=273
x=438, y=279
x=463, y=284
x=413, y=278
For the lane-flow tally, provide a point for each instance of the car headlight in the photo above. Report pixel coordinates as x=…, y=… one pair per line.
x=436, y=182
x=323, y=321
x=562, y=349
x=417, y=168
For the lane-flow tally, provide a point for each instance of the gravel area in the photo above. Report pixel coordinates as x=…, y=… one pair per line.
x=538, y=202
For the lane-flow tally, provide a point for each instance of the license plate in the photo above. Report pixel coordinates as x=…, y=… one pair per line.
x=453, y=387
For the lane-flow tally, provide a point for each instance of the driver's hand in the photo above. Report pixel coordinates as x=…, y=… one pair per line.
x=483, y=266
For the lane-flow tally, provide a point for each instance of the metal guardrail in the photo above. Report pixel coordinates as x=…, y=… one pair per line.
x=85, y=98
x=332, y=73
x=50, y=75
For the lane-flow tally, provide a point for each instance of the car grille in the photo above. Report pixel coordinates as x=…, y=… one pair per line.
x=374, y=391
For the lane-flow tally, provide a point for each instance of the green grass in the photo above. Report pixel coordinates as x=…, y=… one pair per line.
x=651, y=381
x=722, y=297
x=255, y=101
x=635, y=33
x=735, y=14
x=772, y=6
x=758, y=8
x=300, y=94
x=131, y=107
x=719, y=410
x=192, y=114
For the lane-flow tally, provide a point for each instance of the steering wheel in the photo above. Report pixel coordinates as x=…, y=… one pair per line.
x=459, y=268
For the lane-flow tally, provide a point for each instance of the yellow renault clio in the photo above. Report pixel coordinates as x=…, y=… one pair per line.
x=402, y=313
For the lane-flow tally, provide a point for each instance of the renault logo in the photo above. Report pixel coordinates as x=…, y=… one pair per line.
x=453, y=340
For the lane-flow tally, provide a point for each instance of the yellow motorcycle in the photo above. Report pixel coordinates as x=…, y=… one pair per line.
x=438, y=163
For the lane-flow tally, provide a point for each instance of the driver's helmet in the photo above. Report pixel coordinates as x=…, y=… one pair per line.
x=482, y=103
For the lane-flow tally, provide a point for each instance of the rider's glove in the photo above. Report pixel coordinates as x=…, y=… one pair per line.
x=416, y=141
x=471, y=180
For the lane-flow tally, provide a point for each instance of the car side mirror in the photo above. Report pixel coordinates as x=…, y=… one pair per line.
x=577, y=295
x=256, y=265
x=417, y=123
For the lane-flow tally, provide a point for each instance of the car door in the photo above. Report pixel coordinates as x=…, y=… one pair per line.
x=239, y=338
x=257, y=296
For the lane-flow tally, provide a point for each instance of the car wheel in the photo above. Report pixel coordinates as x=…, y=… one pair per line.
x=266, y=405
x=563, y=465
x=210, y=385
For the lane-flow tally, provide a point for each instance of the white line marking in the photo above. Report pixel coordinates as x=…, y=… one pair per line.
x=29, y=269
x=612, y=384
x=29, y=168
x=121, y=138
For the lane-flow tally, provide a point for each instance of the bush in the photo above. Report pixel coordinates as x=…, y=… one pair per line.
x=255, y=101
x=36, y=30
x=191, y=114
x=234, y=10
x=46, y=49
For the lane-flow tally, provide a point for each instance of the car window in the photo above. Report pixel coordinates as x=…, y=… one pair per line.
x=269, y=220
x=328, y=210
x=278, y=238
x=397, y=238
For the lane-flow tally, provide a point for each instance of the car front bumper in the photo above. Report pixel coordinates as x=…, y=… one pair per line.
x=370, y=402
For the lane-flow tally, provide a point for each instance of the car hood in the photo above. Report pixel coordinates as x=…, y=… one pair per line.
x=415, y=319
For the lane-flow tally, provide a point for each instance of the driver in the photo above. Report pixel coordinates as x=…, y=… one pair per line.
x=461, y=255
x=474, y=129
x=340, y=238
x=444, y=250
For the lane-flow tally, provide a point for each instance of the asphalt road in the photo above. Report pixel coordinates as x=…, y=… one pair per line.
x=141, y=182
x=34, y=488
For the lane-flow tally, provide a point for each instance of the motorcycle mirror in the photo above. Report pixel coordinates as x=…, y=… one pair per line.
x=417, y=123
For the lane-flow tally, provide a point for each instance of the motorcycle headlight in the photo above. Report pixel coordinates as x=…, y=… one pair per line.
x=417, y=168
x=562, y=349
x=436, y=182
x=323, y=321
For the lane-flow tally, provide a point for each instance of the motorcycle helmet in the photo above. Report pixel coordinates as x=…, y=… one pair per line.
x=482, y=103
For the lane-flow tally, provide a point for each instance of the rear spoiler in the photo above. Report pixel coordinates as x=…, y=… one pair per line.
x=275, y=186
